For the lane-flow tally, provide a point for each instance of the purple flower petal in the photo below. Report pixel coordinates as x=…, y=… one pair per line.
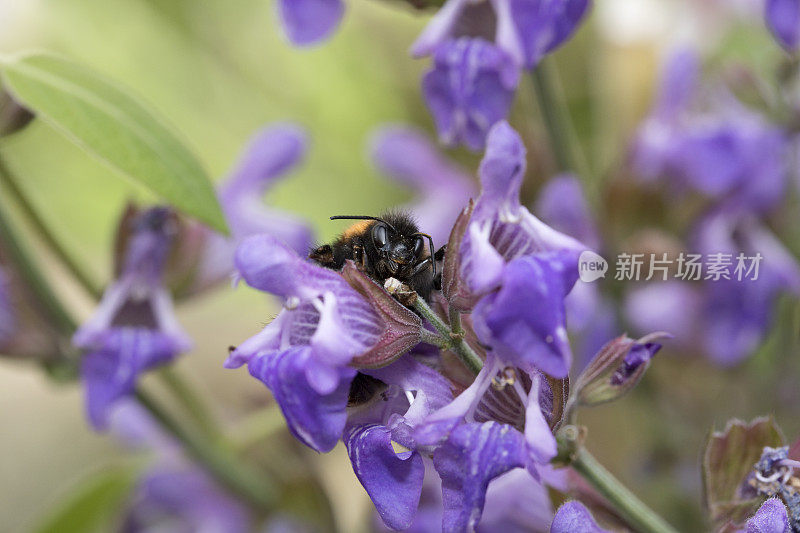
x=469, y=89
x=562, y=205
x=573, y=517
x=709, y=142
x=543, y=26
x=665, y=306
x=539, y=437
x=393, y=480
x=437, y=425
x=771, y=517
x=472, y=456
x=439, y=29
x=317, y=420
x=783, y=20
x=272, y=152
x=308, y=22
x=524, y=322
x=432, y=390
x=516, y=502
x=111, y=371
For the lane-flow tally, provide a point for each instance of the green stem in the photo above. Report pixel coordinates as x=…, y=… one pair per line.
x=434, y=340
x=33, y=277
x=455, y=321
x=557, y=121
x=36, y=220
x=637, y=514
x=219, y=462
x=191, y=401
x=455, y=341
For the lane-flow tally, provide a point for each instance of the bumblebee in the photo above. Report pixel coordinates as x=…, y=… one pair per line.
x=385, y=247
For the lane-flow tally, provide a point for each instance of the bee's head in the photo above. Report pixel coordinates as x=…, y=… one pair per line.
x=396, y=247
x=398, y=252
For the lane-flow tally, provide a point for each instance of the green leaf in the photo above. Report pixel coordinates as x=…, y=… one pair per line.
x=92, y=505
x=115, y=127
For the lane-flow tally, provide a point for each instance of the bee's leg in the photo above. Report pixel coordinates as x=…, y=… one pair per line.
x=422, y=265
x=360, y=257
x=324, y=256
x=439, y=255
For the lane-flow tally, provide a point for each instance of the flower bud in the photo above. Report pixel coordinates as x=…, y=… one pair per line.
x=616, y=369
x=13, y=117
x=403, y=328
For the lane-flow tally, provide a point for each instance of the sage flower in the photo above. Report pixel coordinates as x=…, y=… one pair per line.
x=134, y=328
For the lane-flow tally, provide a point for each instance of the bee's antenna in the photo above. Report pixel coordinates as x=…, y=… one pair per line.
x=430, y=243
x=362, y=217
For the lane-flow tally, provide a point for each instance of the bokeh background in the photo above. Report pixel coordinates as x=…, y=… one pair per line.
x=221, y=69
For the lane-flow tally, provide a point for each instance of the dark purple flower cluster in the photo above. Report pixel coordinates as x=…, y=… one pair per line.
x=478, y=50
x=701, y=140
x=507, y=274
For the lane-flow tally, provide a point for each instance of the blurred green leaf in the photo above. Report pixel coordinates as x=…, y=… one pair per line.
x=92, y=505
x=116, y=128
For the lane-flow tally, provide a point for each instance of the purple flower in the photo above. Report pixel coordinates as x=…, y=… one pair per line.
x=526, y=30
x=308, y=22
x=469, y=459
x=524, y=321
x=392, y=477
x=498, y=423
x=442, y=188
x=573, y=517
x=303, y=355
x=705, y=140
x=470, y=87
x=172, y=493
x=771, y=517
x=738, y=313
x=271, y=154
x=508, y=255
x=783, y=20
x=134, y=328
x=727, y=319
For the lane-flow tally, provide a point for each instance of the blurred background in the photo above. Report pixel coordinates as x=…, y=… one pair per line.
x=219, y=71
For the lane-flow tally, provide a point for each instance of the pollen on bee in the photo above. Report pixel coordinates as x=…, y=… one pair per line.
x=392, y=285
x=357, y=229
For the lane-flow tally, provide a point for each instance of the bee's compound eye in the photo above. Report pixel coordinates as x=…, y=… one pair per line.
x=379, y=235
x=419, y=245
